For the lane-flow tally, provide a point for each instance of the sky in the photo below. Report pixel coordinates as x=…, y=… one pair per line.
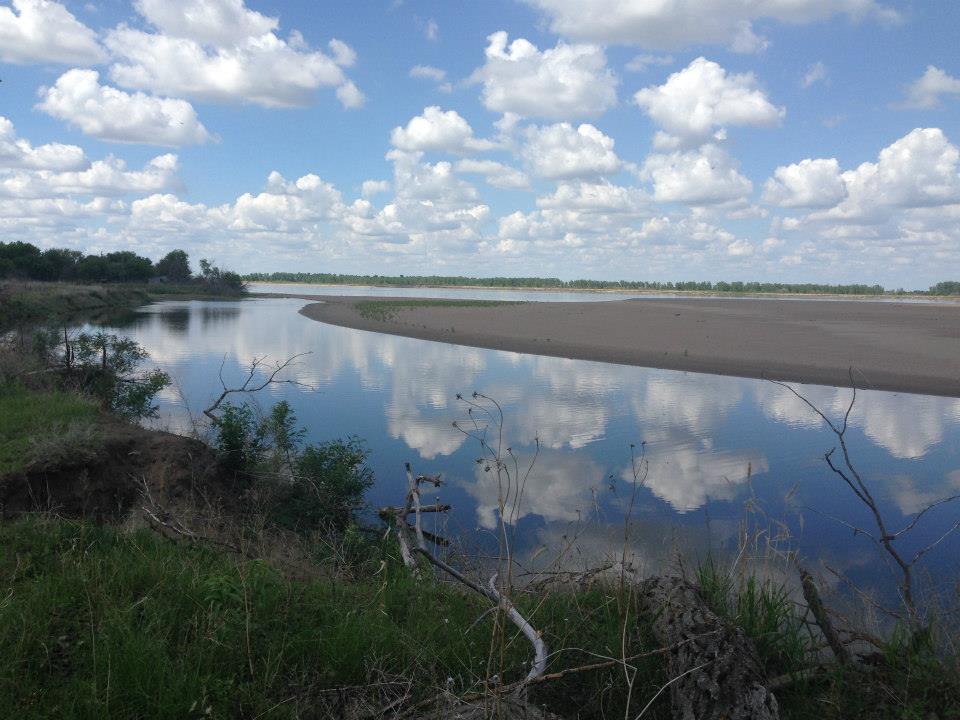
x=772, y=140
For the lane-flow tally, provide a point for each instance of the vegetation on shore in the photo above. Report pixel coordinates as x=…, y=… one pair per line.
x=384, y=310
x=57, y=284
x=943, y=288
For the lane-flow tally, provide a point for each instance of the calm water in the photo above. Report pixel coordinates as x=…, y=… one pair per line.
x=715, y=445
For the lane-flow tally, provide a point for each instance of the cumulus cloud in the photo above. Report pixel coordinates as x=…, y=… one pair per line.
x=343, y=54
x=109, y=176
x=436, y=129
x=225, y=53
x=561, y=152
x=370, y=188
x=561, y=82
x=696, y=102
x=495, y=173
x=919, y=170
x=925, y=92
x=107, y=113
x=809, y=183
x=18, y=153
x=676, y=24
x=214, y=22
x=703, y=176
x=45, y=31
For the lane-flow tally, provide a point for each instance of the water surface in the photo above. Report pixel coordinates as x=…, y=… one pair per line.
x=721, y=451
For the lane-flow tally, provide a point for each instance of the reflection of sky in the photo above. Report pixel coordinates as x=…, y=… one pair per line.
x=711, y=443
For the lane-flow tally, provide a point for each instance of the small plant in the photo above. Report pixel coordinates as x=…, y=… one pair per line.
x=305, y=486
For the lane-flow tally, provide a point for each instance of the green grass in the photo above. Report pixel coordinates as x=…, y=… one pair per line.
x=28, y=414
x=29, y=302
x=96, y=623
x=385, y=310
x=914, y=681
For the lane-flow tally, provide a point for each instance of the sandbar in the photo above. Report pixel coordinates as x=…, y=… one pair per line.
x=902, y=347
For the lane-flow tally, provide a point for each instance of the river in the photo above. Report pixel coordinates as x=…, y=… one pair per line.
x=716, y=454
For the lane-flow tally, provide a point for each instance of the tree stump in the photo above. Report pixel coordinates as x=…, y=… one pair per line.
x=714, y=668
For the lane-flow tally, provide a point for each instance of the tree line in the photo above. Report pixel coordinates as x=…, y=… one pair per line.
x=25, y=261
x=943, y=288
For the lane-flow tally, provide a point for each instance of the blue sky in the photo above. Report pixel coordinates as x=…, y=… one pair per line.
x=796, y=140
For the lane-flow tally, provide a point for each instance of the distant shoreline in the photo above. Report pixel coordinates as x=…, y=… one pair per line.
x=892, y=297
x=905, y=347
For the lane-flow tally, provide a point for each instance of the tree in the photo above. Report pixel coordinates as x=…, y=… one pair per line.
x=175, y=266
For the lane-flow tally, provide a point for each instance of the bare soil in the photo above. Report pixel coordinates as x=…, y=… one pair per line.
x=906, y=347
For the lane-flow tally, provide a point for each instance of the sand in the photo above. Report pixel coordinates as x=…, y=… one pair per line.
x=890, y=346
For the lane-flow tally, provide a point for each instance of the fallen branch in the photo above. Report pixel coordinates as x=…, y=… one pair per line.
x=815, y=604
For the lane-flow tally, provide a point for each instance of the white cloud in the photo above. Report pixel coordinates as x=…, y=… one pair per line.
x=560, y=152
x=675, y=24
x=110, y=114
x=370, y=188
x=229, y=54
x=17, y=153
x=45, y=31
x=214, y=22
x=561, y=82
x=809, y=183
x=814, y=74
x=103, y=177
x=436, y=129
x=596, y=197
x=350, y=96
x=925, y=92
x=495, y=173
x=343, y=54
x=431, y=30
x=699, y=177
x=428, y=72
x=919, y=170
x=640, y=63
x=702, y=98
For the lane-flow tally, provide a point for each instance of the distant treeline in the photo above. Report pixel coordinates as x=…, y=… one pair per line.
x=24, y=261
x=944, y=288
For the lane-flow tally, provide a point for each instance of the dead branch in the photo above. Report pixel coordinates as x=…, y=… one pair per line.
x=249, y=385
x=491, y=592
x=812, y=596
x=883, y=538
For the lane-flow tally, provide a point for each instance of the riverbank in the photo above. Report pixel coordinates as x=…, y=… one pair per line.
x=34, y=301
x=904, y=347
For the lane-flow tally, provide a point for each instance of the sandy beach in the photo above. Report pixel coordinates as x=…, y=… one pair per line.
x=891, y=346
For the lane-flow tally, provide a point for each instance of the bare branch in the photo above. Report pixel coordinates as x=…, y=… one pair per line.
x=248, y=387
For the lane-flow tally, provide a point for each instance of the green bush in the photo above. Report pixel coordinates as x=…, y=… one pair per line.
x=304, y=486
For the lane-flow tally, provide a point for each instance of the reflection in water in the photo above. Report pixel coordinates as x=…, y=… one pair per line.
x=712, y=443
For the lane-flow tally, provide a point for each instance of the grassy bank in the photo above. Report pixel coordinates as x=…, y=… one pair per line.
x=101, y=623
x=29, y=302
x=28, y=416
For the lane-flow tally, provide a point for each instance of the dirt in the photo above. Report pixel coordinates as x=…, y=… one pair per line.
x=177, y=470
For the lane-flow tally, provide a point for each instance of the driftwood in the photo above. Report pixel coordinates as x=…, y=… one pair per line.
x=715, y=670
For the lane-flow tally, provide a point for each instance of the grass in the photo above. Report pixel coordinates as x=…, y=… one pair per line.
x=96, y=623
x=26, y=415
x=385, y=310
x=28, y=301
x=907, y=680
